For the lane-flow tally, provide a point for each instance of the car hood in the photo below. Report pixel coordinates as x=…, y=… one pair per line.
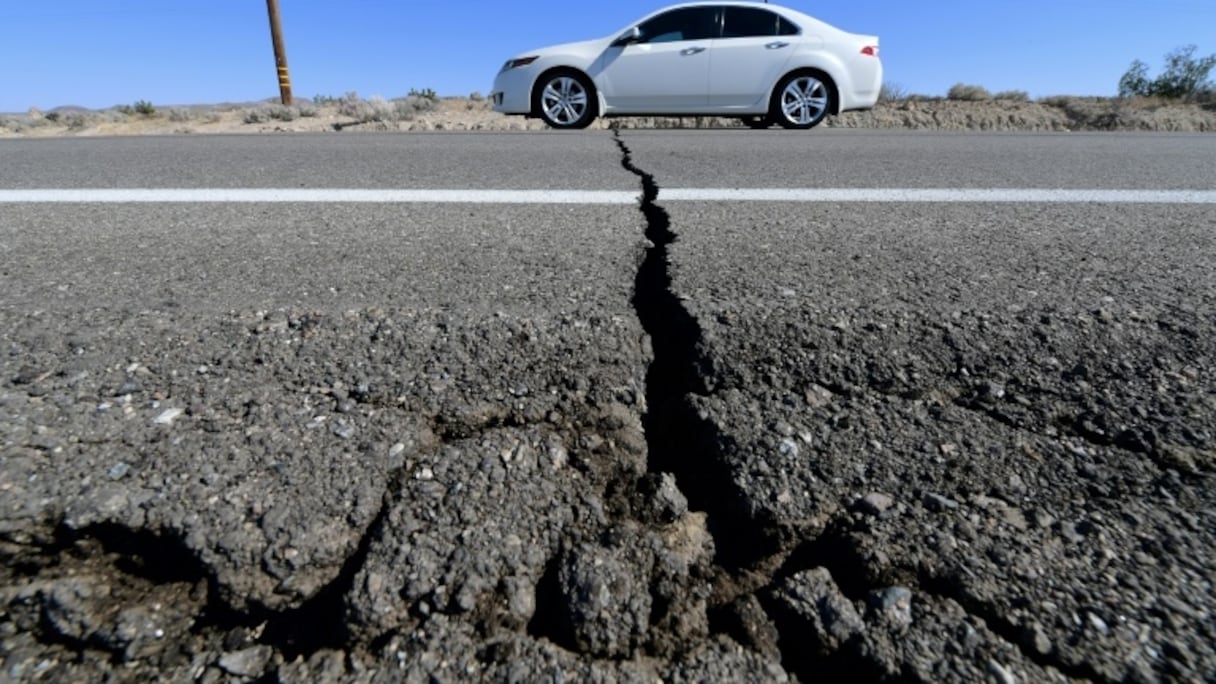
x=586, y=48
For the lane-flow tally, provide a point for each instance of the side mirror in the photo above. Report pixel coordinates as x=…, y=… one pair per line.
x=633, y=35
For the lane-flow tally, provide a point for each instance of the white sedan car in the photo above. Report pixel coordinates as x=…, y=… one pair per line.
x=762, y=63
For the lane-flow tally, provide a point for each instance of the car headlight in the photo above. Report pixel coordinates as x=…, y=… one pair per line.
x=518, y=62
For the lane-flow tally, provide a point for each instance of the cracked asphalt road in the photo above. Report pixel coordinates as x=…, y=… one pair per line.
x=679, y=441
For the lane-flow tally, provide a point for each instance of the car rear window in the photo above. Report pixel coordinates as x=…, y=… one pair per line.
x=747, y=22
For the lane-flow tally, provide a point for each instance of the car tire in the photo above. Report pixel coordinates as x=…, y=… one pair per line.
x=758, y=123
x=564, y=99
x=801, y=100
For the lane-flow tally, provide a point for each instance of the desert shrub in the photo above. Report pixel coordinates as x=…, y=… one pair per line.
x=1056, y=100
x=892, y=92
x=306, y=110
x=425, y=93
x=34, y=118
x=324, y=100
x=403, y=109
x=406, y=107
x=1185, y=77
x=255, y=116
x=75, y=120
x=119, y=114
x=351, y=105
x=375, y=108
x=1145, y=102
x=1012, y=96
x=143, y=108
x=180, y=115
x=969, y=93
x=284, y=113
x=19, y=123
x=1135, y=81
x=274, y=112
x=378, y=108
x=476, y=96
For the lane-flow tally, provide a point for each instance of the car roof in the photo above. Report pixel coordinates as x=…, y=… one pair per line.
x=799, y=17
x=732, y=3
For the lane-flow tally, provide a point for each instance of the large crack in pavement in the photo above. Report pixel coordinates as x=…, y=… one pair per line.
x=680, y=440
x=749, y=560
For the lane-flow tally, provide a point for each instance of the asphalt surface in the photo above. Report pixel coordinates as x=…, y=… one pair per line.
x=677, y=440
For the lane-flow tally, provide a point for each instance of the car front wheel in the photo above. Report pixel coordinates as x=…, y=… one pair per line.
x=565, y=99
x=801, y=101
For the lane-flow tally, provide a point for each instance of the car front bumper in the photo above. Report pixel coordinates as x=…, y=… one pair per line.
x=512, y=91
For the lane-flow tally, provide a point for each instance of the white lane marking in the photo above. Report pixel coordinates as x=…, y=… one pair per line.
x=1010, y=195
x=456, y=196
x=326, y=195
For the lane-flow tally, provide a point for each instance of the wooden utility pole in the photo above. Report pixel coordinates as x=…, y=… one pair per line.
x=280, y=53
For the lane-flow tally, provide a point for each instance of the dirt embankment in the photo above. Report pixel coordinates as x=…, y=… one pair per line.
x=1053, y=114
x=464, y=114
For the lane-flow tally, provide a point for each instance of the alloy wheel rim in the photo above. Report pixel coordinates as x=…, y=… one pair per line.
x=564, y=100
x=804, y=100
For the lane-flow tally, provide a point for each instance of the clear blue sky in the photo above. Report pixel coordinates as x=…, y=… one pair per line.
x=99, y=53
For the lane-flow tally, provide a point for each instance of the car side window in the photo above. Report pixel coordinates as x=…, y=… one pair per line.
x=687, y=23
x=747, y=22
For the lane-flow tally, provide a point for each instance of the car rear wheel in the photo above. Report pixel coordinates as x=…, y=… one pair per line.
x=801, y=100
x=757, y=122
x=565, y=99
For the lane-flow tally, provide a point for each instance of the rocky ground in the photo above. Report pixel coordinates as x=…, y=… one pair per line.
x=463, y=114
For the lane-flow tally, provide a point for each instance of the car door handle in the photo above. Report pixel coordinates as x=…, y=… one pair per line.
x=691, y=51
x=776, y=45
